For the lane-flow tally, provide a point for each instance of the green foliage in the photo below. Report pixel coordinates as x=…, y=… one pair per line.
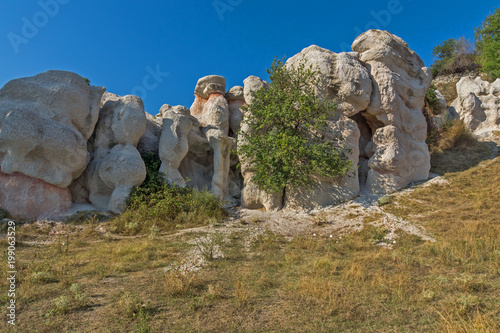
x=385, y=200
x=431, y=97
x=87, y=80
x=288, y=138
x=453, y=56
x=488, y=44
x=158, y=205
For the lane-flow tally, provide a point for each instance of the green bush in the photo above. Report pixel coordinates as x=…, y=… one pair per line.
x=288, y=138
x=431, y=98
x=488, y=44
x=157, y=204
x=453, y=56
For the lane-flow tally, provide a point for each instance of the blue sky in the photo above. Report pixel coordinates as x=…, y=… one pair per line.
x=159, y=49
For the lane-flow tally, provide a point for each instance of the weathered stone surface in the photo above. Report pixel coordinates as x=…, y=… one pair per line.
x=62, y=96
x=45, y=121
x=211, y=84
x=252, y=83
x=326, y=191
x=478, y=104
x=149, y=142
x=400, y=155
x=30, y=198
x=344, y=79
x=116, y=164
x=235, y=99
x=174, y=143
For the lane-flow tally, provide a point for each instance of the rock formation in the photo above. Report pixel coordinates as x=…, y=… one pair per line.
x=400, y=80
x=45, y=122
x=64, y=141
x=116, y=165
x=478, y=104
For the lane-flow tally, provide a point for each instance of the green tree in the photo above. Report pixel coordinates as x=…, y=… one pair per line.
x=488, y=44
x=287, y=137
x=453, y=56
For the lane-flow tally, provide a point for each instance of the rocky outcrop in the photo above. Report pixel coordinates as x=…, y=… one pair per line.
x=400, y=80
x=174, y=143
x=116, y=165
x=478, y=104
x=45, y=122
x=63, y=141
x=344, y=80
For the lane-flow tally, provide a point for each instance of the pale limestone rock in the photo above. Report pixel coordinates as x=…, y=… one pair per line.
x=62, y=96
x=174, y=143
x=235, y=99
x=343, y=77
x=250, y=84
x=116, y=164
x=395, y=111
x=478, y=104
x=30, y=198
x=149, y=142
x=45, y=121
x=58, y=111
x=211, y=84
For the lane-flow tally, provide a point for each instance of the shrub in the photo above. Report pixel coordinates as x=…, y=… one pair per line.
x=288, y=138
x=431, y=98
x=488, y=44
x=158, y=203
x=453, y=56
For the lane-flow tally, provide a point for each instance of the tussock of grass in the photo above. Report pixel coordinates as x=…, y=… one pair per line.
x=453, y=148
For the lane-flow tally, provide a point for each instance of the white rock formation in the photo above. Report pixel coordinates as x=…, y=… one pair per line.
x=174, y=143
x=344, y=79
x=400, y=80
x=478, y=104
x=45, y=121
x=116, y=164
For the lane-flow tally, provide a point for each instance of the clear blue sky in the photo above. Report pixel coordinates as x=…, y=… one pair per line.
x=116, y=44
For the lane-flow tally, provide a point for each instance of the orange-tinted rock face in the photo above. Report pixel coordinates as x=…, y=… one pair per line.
x=197, y=107
x=32, y=198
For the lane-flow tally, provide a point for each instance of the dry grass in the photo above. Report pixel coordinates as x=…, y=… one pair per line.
x=308, y=284
x=455, y=149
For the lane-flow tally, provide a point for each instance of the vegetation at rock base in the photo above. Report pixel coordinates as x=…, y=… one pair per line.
x=488, y=44
x=453, y=56
x=159, y=205
x=288, y=138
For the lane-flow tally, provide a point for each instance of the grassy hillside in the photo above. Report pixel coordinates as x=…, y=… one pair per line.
x=82, y=278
